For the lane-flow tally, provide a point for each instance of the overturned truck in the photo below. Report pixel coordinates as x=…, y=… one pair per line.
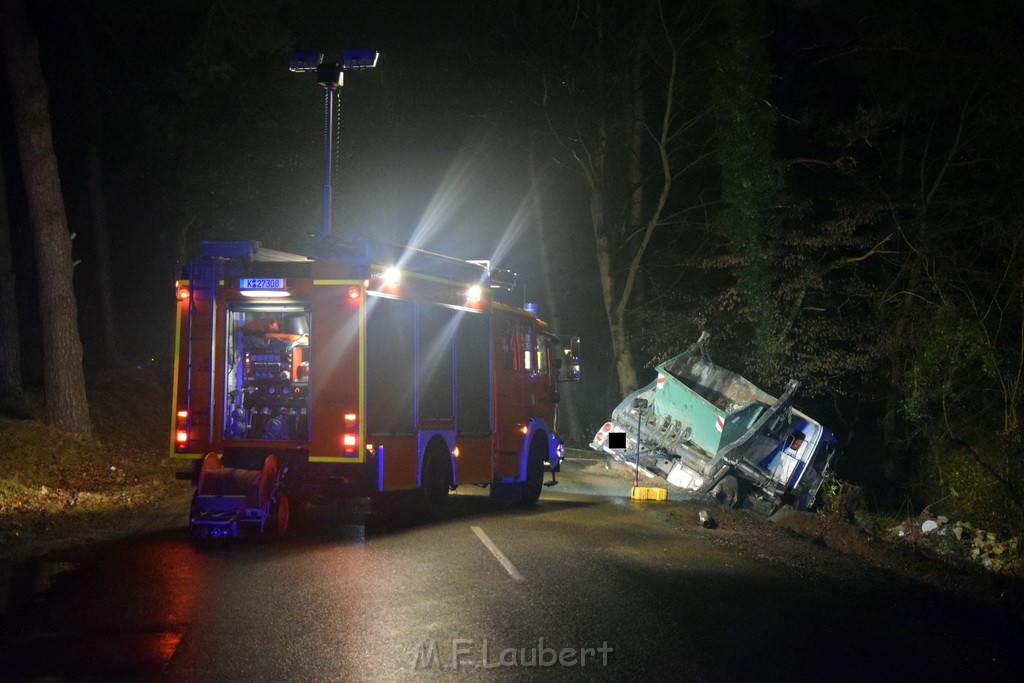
x=709, y=430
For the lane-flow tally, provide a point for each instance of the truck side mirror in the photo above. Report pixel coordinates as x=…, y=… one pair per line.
x=567, y=368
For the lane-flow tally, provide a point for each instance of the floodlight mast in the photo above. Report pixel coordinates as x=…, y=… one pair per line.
x=331, y=76
x=331, y=83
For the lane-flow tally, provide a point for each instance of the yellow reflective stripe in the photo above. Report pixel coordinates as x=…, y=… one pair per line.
x=337, y=459
x=362, y=375
x=361, y=443
x=186, y=456
x=177, y=360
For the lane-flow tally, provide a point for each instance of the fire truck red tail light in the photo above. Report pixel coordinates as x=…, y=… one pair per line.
x=354, y=293
x=348, y=445
x=181, y=429
x=182, y=293
x=349, y=439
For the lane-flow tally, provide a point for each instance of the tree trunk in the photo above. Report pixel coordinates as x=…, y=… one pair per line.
x=101, y=249
x=11, y=393
x=568, y=408
x=98, y=212
x=621, y=351
x=624, y=364
x=636, y=141
x=63, y=377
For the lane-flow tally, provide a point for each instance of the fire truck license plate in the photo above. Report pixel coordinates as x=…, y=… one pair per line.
x=261, y=283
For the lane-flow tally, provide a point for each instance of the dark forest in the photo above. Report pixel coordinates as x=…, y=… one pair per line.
x=832, y=190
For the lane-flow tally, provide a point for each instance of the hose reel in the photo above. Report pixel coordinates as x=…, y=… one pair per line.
x=228, y=499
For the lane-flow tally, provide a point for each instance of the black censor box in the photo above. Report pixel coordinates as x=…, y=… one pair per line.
x=617, y=440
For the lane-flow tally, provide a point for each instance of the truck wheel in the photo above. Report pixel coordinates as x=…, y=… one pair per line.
x=534, y=483
x=437, y=481
x=726, y=492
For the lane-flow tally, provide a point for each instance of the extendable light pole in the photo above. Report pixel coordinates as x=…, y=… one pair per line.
x=330, y=86
x=331, y=76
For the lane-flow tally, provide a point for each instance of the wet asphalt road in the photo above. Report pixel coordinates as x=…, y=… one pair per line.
x=585, y=586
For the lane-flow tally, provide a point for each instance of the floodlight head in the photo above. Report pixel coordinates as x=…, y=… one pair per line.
x=359, y=58
x=304, y=61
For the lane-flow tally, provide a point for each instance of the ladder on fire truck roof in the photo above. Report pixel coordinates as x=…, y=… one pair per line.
x=368, y=253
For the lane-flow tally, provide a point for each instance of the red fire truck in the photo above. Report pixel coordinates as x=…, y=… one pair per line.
x=301, y=380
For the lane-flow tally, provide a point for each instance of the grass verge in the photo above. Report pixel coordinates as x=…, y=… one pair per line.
x=55, y=486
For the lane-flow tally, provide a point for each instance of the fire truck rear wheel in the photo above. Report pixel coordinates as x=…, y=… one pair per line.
x=534, y=483
x=437, y=480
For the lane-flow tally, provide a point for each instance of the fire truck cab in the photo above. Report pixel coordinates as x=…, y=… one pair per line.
x=301, y=379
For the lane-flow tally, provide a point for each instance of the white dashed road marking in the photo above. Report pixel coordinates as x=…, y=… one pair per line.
x=500, y=556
